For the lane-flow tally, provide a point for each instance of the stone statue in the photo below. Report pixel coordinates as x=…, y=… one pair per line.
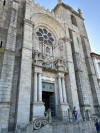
x=61, y=44
x=61, y=47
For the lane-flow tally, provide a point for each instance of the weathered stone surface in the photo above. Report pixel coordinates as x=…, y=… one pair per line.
x=39, y=46
x=82, y=127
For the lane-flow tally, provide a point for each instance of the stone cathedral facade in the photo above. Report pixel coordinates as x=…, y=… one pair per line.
x=45, y=63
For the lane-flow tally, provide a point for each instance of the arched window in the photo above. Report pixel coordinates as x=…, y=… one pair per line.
x=73, y=19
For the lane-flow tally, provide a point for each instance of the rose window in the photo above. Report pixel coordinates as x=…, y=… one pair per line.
x=45, y=36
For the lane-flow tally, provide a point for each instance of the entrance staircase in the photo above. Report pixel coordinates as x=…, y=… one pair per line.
x=58, y=126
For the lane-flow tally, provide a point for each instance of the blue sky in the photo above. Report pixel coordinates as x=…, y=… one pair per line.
x=91, y=14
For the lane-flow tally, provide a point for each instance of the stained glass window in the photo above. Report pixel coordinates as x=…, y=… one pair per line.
x=49, y=42
x=49, y=34
x=39, y=34
x=45, y=36
x=40, y=38
x=45, y=31
x=40, y=30
x=51, y=39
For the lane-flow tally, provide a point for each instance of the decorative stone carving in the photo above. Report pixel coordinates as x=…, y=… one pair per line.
x=79, y=11
x=43, y=121
x=39, y=123
x=60, y=65
x=37, y=58
x=49, y=62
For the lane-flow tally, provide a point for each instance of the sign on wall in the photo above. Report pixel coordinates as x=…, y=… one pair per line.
x=49, y=87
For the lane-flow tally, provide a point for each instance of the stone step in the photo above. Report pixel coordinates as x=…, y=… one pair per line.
x=60, y=127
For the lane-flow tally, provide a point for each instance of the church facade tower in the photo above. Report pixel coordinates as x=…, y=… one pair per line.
x=45, y=63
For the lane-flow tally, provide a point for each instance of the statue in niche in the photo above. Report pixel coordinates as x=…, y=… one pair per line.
x=61, y=44
x=49, y=62
x=61, y=47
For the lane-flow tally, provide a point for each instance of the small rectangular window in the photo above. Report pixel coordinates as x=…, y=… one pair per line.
x=99, y=65
x=1, y=44
x=4, y=2
x=73, y=19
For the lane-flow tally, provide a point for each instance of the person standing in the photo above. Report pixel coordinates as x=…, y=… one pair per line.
x=75, y=114
x=97, y=125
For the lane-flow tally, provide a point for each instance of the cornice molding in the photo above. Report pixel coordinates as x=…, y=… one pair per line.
x=95, y=55
x=28, y=22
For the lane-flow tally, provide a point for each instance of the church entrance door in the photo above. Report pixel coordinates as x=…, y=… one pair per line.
x=49, y=101
x=48, y=97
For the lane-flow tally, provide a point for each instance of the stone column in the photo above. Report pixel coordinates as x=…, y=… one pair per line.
x=60, y=90
x=92, y=74
x=24, y=97
x=62, y=107
x=8, y=68
x=83, y=91
x=70, y=78
x=40, y=87
x=38, y=106
x=35, y=87
x=23, y=112
x=85, y=71
x=64, y=91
